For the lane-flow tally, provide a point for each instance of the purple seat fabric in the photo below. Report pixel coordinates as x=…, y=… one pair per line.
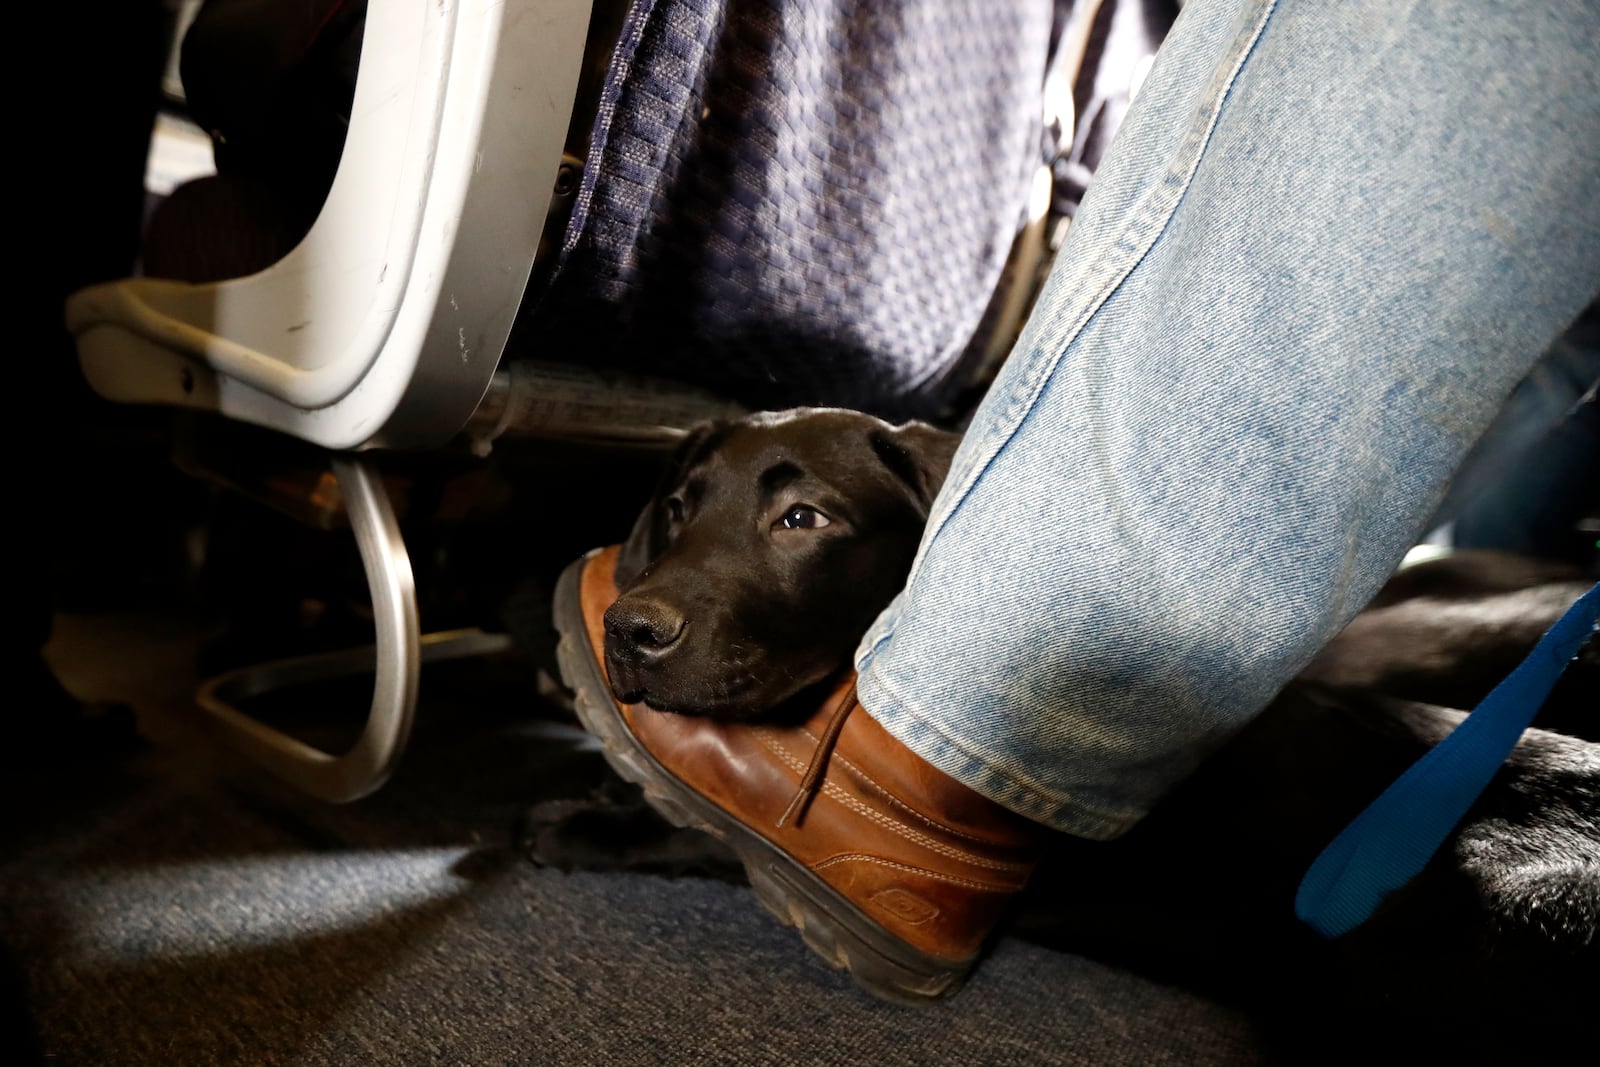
x=801, y=201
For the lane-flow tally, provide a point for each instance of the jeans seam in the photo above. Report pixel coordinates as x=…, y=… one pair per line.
x=1150, y=219
x=1148, y=216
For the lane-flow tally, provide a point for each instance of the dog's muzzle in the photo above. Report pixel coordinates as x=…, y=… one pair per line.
x=641, y=634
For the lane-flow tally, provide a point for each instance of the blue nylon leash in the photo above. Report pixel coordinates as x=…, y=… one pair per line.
x=1390, y=842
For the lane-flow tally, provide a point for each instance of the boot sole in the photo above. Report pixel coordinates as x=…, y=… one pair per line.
x=880, y=963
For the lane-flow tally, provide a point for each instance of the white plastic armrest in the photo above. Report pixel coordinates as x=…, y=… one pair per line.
x=417, y=262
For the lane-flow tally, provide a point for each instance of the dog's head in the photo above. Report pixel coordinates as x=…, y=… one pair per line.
x=769, y=547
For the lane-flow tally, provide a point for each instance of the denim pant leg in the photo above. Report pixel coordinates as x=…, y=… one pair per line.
x=1327, y=242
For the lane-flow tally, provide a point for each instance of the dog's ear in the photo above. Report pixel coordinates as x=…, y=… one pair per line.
x=919, y=455
x=648, y=539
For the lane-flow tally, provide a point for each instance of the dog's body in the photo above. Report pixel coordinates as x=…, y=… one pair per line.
x=773, y=542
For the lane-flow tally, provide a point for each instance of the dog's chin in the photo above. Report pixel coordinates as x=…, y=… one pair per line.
x=722, y=699
x=729, y=708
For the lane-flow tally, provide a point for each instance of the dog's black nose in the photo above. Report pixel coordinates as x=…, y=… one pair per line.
x=642, y=629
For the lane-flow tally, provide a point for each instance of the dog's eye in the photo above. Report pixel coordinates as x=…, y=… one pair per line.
x=674, y=509
x=802, y=517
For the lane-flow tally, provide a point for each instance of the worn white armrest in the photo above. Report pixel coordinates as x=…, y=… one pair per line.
x=411, y=276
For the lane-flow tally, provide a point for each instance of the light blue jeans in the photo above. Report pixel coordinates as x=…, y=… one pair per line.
x=1328, y=241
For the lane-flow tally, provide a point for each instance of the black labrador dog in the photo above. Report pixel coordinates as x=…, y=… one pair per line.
x=773, y=541
x=769, y=548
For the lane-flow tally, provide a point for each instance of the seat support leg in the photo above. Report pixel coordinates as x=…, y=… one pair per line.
x=395, y=661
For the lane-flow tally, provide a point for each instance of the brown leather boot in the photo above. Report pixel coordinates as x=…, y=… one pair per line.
x=887, y=866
